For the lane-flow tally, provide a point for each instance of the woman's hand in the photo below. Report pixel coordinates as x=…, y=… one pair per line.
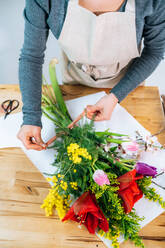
x=31, y=137
x=103, y=108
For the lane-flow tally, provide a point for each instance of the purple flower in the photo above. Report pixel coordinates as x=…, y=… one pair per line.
x=145, y=169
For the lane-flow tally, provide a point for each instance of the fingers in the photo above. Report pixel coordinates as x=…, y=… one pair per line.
x=103, y=108
x=99, y=117
x=30, y=136
x=38, y=140
x=29, y=145
x=91, y=110
x=100, y=114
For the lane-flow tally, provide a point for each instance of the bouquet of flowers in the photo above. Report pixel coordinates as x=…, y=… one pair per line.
x=98, y=176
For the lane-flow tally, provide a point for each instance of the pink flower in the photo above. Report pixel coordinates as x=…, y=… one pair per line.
x=130, y=146
x=100, y=177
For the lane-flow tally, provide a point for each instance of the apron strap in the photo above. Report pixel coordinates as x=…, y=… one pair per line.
x=130, y=6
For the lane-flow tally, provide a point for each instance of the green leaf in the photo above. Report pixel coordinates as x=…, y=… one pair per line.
x=110, y=134
x=57, y=90
x=116, y=141
x=113, y=149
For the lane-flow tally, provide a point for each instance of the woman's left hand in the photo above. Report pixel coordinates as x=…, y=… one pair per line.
x=103, y=108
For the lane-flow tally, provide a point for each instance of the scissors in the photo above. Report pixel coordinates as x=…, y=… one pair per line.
x=9, y=105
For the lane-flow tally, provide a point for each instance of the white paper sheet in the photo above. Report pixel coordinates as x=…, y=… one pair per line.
x=121, y=121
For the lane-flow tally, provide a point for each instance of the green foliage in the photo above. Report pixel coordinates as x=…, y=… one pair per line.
x=75, y=178
x=150, y=193
x=119, y=222
x=106, y=195
x=130, y=228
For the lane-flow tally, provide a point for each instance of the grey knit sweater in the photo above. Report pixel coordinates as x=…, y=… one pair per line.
x=44, y=15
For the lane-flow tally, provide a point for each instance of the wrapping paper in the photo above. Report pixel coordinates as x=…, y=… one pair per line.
x=121, y=121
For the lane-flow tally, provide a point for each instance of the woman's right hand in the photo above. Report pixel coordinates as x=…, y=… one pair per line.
x=26, y=133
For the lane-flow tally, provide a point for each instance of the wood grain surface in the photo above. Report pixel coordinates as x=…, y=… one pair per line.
x=23, y=188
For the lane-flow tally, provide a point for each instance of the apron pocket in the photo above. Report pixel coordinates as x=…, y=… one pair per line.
x=79, y=75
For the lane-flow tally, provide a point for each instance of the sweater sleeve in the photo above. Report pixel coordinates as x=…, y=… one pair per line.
x=152, y=53
x=31, y=60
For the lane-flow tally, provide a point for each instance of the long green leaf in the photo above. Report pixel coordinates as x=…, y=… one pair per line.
x=110, y=134
x=56, y=89
x=116, y=141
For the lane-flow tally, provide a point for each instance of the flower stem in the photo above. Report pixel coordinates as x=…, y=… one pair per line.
x=158, y=185
x=50, y=118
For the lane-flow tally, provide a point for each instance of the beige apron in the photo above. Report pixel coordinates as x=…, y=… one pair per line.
x=97, y=50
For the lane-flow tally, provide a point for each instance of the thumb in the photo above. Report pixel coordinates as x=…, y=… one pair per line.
x=91, y=110
x=39, y=140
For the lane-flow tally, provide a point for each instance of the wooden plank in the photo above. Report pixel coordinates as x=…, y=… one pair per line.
x=23, y=188
x=23, y=223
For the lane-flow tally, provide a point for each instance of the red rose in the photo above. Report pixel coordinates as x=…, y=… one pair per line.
x=129, y=190
x=86, y=211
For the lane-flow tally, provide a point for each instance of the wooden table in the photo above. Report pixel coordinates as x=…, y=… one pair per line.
x=23, y=188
